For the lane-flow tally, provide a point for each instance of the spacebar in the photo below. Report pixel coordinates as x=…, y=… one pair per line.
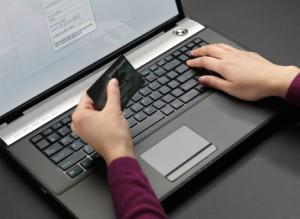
x=146, y=124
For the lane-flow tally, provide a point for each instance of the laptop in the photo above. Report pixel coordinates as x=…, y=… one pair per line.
x=52, y=51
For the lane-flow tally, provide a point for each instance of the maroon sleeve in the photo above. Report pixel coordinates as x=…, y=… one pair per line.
x=131, y=192
x=293, y=94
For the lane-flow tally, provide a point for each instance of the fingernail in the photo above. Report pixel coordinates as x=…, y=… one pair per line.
x=193, y=52
x=201, y=79
x=189, y=62
x=114, y=82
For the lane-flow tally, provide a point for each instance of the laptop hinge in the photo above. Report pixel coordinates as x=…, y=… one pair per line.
x=12, y=118
x=170, y=26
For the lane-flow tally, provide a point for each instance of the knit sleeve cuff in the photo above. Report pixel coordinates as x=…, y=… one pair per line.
x=293, y=94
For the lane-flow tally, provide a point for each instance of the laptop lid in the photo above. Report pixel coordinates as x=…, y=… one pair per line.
x=46, y=45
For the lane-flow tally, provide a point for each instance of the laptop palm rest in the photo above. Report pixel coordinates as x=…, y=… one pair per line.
x=178, y=152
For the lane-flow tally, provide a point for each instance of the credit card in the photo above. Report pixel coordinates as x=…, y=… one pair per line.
x=130, y=81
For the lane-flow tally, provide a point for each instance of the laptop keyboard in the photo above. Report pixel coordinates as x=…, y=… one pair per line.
x=170, y=86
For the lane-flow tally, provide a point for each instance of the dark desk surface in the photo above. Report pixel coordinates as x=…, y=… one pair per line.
x=261, y=180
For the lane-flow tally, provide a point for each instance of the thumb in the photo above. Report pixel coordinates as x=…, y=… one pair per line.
x=215, y=82
x=113, y=95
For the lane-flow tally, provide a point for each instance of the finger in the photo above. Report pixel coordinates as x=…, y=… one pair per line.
x=206, y=62
x=210, y=50
x=85, y=103
x=73, y=128
x=113, y=95
x=215, y=82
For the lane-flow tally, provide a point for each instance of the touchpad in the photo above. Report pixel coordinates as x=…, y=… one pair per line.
x=174, y=150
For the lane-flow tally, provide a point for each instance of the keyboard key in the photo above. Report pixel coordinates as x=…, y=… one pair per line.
x=176, y=53
x=186, y=76
x=151, y=77
x=159, y=104
x=176, y=104
x=173, y=84
x=57, y=125
x=42, y=144
x=64, y=131
x=36, y=138
x=156, y=95
x=66, y=140
x=172, y=74
x=87, y=163
x=146, y=124
x=163, y=80
x=74, y=171
x=53, y=137
x=73, y=135
x=167, y=110
x=188, y=53
x=183, y=49
x=164, y=90
x=203, y=43
x=172, y=64
x=154, y=85
x=145, y=73
x=189, y=84
x=88, y=149
x=137, y=107
x=190, y=45
x=84, y=142
x=182, y=68
x=141, y=116
x=197, y=41
x=52, y=149
x=130, y=103
x=168, y=98
x=48, y=132
x=153, y=67
x=146, y=101
x=66, y=120
x=95, y=156
x=132, y=122
x=183, y=57
x=150, y=110
x=161, y=63
x=200, y=87
x=145, y=91
x=137, y=97
x=196, y=47
x=189, y=96
x=177, y=92
x=61, y=155
x=168, y=58
x=77, y=145
x=128, y=113
x=73, y=159
x=160, y=72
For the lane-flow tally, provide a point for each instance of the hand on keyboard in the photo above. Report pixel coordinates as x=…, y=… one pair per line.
x=245, y=75
x=107, y=130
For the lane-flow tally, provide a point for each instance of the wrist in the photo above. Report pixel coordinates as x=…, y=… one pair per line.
x=119, y=152
x=283, y=77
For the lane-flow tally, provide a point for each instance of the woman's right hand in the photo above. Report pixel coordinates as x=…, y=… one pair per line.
x=107, y=130
x=245, y=75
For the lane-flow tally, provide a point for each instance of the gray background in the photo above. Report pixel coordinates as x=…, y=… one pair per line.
x=259, y=179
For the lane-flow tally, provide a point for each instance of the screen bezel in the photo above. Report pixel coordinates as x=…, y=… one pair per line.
x=15, y=113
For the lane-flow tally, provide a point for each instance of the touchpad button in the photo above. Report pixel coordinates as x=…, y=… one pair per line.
x=174, y=150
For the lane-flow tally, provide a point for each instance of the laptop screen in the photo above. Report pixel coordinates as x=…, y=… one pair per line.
x=43, y=42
